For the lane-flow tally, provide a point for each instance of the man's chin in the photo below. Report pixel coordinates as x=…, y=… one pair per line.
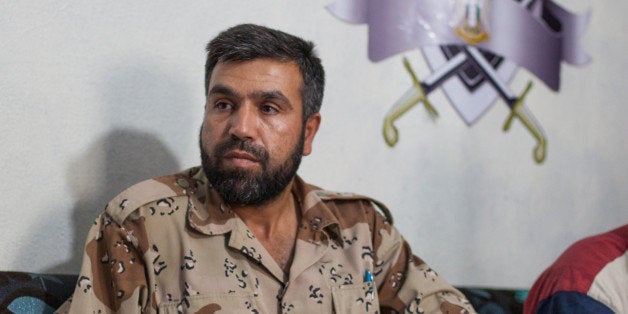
x=241, y=172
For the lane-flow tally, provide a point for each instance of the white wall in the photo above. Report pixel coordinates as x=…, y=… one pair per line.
x=97, y=95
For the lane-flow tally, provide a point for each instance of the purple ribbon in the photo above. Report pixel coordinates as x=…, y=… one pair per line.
x=537, y=41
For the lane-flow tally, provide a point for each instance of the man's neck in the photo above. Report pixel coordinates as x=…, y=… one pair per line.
x=275, y=225
x=272, y=218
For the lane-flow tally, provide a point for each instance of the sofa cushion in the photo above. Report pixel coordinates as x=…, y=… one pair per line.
x=22, y=292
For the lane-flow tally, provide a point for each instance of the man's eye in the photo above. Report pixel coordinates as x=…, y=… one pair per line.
x=221, y=105
x=269, y=109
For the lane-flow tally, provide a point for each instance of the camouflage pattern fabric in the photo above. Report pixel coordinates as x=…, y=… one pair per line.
x=169, y=245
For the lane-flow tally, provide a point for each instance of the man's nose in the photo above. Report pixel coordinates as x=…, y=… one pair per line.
x=243, y=122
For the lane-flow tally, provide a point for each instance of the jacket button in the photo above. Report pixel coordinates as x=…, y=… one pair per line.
x=183, y=183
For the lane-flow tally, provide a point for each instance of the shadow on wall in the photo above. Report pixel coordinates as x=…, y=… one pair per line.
x=120, y=159
x=141, y=101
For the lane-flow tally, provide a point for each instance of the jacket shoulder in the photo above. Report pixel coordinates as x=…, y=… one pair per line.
x=180, y=184
x=331, y=196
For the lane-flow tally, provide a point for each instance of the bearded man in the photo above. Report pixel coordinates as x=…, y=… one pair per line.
x=243, y=233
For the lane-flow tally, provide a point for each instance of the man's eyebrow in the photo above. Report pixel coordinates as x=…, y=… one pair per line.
x=272, y=95
x=264, y=95
x=221, y=89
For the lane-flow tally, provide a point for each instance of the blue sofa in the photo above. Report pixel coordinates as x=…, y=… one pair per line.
x=33, y=293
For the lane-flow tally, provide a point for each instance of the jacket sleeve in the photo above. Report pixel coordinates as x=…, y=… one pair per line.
x=112, y=277
x=565, y=302
x=406, y=284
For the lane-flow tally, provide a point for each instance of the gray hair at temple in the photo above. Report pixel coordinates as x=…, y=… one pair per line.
x=248, y=42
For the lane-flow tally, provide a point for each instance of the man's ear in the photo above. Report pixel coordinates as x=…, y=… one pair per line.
x=311, y=127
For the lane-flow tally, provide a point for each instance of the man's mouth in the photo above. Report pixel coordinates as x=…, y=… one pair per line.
x=240, y=158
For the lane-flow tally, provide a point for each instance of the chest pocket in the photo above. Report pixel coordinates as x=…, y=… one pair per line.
x=355, y=298
x=213, y=303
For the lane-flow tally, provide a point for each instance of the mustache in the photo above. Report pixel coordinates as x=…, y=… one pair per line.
x=247, y=146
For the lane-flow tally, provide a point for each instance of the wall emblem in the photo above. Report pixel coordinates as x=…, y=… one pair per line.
x=474, y=48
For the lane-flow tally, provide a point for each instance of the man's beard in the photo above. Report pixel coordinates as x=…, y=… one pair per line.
x=239, y=186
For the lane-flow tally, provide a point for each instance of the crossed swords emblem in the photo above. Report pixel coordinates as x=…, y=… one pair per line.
x=469, y=55
x=481, y=42
x=472, y=32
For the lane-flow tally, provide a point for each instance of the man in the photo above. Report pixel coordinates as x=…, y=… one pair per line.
x=243, y=233
x=591, y=276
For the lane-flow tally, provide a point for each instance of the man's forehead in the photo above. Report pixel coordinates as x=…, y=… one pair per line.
x=267, y=73
x=286, y=65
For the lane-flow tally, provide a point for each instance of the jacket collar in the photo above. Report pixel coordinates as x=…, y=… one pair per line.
x=209, y=215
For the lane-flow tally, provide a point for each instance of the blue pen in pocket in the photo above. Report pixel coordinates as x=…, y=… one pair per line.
x=368, y=279
x=368, y=276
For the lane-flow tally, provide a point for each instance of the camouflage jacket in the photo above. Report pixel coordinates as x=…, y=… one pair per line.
x=168, y=245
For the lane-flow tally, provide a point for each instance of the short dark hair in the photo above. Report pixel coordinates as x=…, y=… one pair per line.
x=248, y=42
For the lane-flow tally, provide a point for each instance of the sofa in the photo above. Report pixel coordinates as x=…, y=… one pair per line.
x=22, y=292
